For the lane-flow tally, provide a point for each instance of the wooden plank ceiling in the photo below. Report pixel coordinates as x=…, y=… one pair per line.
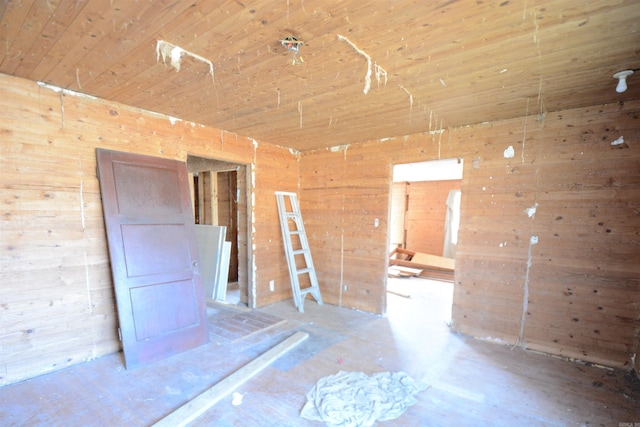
x=431, y=64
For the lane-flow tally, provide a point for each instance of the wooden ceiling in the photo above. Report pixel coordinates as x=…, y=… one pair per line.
x=431, y=64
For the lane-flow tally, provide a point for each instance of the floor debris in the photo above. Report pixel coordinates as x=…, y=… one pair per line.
x=354, y=399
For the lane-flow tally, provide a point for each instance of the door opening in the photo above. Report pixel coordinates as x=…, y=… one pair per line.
x=219, y=191
x=423, y=227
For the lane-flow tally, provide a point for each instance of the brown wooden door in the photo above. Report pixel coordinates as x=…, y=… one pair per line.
x=154, y=258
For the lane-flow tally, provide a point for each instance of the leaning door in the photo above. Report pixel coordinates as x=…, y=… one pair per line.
x=154, y=258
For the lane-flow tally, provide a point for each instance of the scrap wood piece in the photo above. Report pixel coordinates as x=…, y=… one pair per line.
x=405, y=271
x=432, y=266
x=434, y=261
x=402, y=254
x=408, y=258
x=201, y=403
x=391, y=272
x=399, y=294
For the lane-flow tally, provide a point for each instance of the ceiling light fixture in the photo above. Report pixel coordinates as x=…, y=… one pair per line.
x=292, y=43
x=622, y=80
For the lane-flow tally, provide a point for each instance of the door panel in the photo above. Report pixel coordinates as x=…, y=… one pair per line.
x=155, y=249
x=170, y=306
x=154, y=258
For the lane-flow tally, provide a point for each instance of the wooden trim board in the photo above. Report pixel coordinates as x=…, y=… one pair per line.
x=400, y=271
x=201, y=403
x=399, y=256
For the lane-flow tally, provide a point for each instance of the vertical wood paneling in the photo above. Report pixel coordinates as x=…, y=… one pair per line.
x=427, y=214
x=574, y=293
x=228, y=216
x=585, y=269
x=322, y=206
x=346, y=190
x=245, y=261
x=56, y=292
x=275, y=170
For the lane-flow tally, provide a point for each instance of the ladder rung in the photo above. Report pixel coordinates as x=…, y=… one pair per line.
x=294, y=231
x=300, y=251
x=304, y=270
x=292, y=214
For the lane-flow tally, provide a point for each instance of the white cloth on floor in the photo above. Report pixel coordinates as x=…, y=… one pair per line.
x=353, y=399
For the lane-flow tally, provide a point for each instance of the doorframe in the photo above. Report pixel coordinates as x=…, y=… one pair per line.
x=392, y=166
x=244, y=216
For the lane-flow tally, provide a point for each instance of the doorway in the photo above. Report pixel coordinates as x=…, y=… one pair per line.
x=423, y=228
x=221, y=196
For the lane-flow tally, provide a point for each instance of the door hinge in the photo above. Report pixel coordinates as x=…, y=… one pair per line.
x=119, y=334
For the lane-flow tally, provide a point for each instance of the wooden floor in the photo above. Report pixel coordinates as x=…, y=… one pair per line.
x=471, y=383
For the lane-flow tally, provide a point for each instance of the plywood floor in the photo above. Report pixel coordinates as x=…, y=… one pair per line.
x=471, y=383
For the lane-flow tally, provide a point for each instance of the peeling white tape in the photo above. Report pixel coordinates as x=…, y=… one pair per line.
x=65, y=91
x=380, y=72
x=175, y=54
x=532, y=210
x=618, y=141
x=509, y=152
x=338, y=148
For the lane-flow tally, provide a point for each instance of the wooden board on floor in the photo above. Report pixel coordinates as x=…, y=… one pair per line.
x=431, y=266
x=399, y=271
x=196, y=407
x=434, y=261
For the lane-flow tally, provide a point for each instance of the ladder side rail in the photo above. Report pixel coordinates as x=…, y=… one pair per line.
x=286, y=237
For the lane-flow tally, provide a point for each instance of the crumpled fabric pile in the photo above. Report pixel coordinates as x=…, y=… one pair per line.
x=354, y=399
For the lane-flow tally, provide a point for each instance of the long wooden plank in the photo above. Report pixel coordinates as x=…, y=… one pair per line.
x=434, y=261
x=197, y=406
x=445, y=266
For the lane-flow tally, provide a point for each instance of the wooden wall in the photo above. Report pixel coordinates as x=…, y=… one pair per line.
x=426, y=215
x=342, y=193
x=575, y=293
x=228, y=216
x=56, y=294
x=281, y=174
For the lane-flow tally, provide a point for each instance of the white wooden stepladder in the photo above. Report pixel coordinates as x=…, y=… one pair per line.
x=298, y=255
